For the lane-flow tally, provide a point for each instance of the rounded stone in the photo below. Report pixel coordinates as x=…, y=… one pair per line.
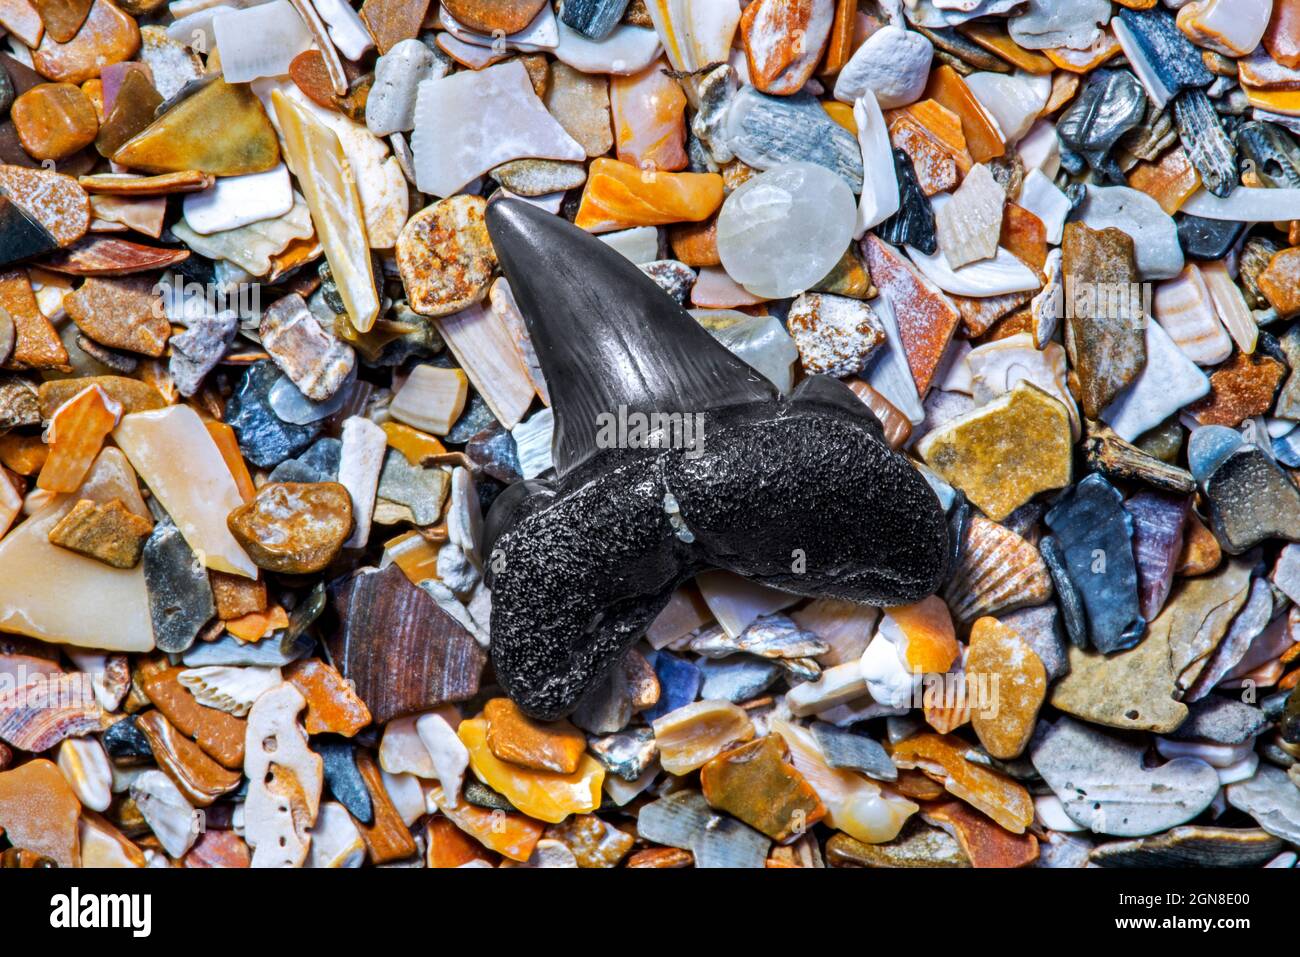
x=781, y=232
x=54, y=120
x=295, y=528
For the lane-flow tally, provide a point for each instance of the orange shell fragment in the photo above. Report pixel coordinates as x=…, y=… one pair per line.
x=76, y=434
x=620, y=196
x=511, y=835
x=950, y=90
x=944, y=759
x=931, y=641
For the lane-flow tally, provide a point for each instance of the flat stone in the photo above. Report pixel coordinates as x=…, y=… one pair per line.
x=180, y=596
x=221, y=129
x=445, y=256
x=196, y=351
x=580, y=104
x=998, y=653
x=23, y=237
x=594, y=842
x=755, y=784
x=1251, y=499
x=985, y=452
x=131, y=112
x=198, y=777
x=1207, y=239
x=108, y=36
x=1134, y=689
x=121, y=313
x=1240, y=389
x=983, y=842
x=767, y=132
x=1272, y=799
x=1191, y=846
x=543, y=746
x=392, y=21
x=294, y=528
x=402, y=652
x=1044, y=25
x=421, y=490
x=110, y=533
x=54, y=120
x=1222, y=720
x=39, y=811
x=1104, y=787
x=1106, y=343
x=493, y=16
x=539, y=177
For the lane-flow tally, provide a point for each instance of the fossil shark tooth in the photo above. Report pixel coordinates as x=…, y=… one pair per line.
x=582, y=564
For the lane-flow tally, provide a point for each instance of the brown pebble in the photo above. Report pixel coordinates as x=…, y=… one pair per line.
x=219, y=734
x=544, y=746
x=1240, y=388
x=110, y=533
x=696, y=244
x=236, y=596
x=489, y=16
x=123, y=313
x=295, y=528
x=392, y=21
x=54, y=120
x=332, y=704
x=108, y=36
x=62, y=18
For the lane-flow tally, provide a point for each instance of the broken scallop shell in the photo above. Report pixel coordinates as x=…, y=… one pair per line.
x=998, y=570
x=228, y=688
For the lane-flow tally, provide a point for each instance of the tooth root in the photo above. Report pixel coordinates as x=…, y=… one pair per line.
x=605, y=334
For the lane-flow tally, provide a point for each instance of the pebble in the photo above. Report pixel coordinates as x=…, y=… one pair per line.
x=180, y=597
x=514, y=737
x=120, y=313
x=787, y=201
x=54, y=120
x=736, y=681
x=1191, y=846
x=1104, y=787
x=294, y=528
x=546, y=795
x=770, y=133
x=306, y=351
x=580, y=104
x=996, y=795
x=617, y=196
x=264, y=438
x=1111, y=103
x=343, y=778
x=1251, y=499
x=996, y=651
x=110, y=533
x=845, y=749
x=835, y=335
x=755, y=784
x=986, y=455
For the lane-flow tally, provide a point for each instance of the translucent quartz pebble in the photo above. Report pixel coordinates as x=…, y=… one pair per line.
x=496, y=117
x=295, y=408
x=47, y=589
x=175, y=455
x=784, y=230
x=259, y=41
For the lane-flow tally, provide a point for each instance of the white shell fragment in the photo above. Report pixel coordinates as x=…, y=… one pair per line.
x=879, y=199
x=1155, y=237
x=1168, y=382
x=1040, y=196
x=335, y=840
x=235, y=201
x=284, y=780
x=969, y=223
x=1013, y=100
x=695, y=33
x=360, y=461
x=533, y=443
x=390, y=108
x=448, y=755
x=497, y=117
x=346, y=29
x=84, y=764
x=1245, y=203
x=228, y=688
x=173, y=820
x=1051, y=23
x=259, y=41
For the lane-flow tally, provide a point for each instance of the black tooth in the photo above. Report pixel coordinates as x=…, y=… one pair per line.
x=605, y=334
